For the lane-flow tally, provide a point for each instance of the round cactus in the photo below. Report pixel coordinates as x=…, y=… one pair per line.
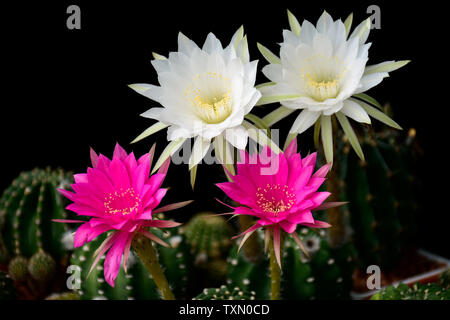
x=225, y=293
x=137, y=282
x=326, y=275
x=209, y=236
x=41, y=266
x=18, y=269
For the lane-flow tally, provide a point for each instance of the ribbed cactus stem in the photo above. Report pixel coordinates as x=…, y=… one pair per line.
x=335, y=216
x=336, y=219
x=147, y=254
x=252, y=248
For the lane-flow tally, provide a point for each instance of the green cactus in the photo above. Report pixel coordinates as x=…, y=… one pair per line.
x=136, y=283
x=326, y=275
x=380, y=195
x=429, y=291
x=209, y=236
x=27, y=208
x=7, y=289
x=225, y=293
x=30, y=242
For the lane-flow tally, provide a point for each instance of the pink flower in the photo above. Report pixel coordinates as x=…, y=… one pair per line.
x=280, y=191
x=119, y=196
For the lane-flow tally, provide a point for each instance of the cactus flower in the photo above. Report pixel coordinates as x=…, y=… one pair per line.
x=322, y=71
x=280, y=190
x=205, y=92
x=119, y=196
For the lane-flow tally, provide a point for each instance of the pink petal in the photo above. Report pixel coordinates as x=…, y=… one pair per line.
x=119, y=153
x=154, y=238
x=288, y=226
x=86, y=233
x=81, y=178
x=151, y=154
x=329, y=205
x=119, y=174
x=317, y=224
x=158, y=196
x=141, y=175
x=301, y=217
x=67, y=221
x=319, y=197
x=94, y=158
x=246, y=236
x=322, y=172
x=161, y=224
x=69, y=195
x=299, y=243
x=276, y=243
x=102, y=249
x=165, y=166
x=302, y=178
x=114, y=258
x=291, y=149
x=131, y=164
x=127, y=251
x=251, y=229
x=173, y=206
x=310, y=160
x=235, y=193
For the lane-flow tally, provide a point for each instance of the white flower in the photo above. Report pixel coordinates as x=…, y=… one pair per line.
x=319, y=70
x=205, y=93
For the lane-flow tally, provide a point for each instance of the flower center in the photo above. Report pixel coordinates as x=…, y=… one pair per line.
x=275, y=198
x=322, y=82
x=209, y=96
x=121, y=202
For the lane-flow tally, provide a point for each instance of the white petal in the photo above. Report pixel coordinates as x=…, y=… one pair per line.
x=147, y=90
x=324, y=23
x=353, y=110
x=212, y=44
x=201, y=146
x=185, y=44
x=304, y=120
x=370, y=81
x=153, y=113
x=237, y=136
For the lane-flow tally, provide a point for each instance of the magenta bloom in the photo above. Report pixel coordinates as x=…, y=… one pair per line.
x=280, y=190
x=120, y=196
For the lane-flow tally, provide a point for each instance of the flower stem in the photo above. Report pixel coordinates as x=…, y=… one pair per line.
x=147, y=254
x=275, y=272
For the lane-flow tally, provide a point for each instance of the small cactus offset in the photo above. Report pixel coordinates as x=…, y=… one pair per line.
x=380, y=194
x=325, y=275
x=136, y=283
x=225, y=293
x=30, y=242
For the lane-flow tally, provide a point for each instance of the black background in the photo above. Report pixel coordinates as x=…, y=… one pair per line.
x=65, y=90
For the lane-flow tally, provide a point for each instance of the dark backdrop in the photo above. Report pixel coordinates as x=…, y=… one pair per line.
x=65, y=90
